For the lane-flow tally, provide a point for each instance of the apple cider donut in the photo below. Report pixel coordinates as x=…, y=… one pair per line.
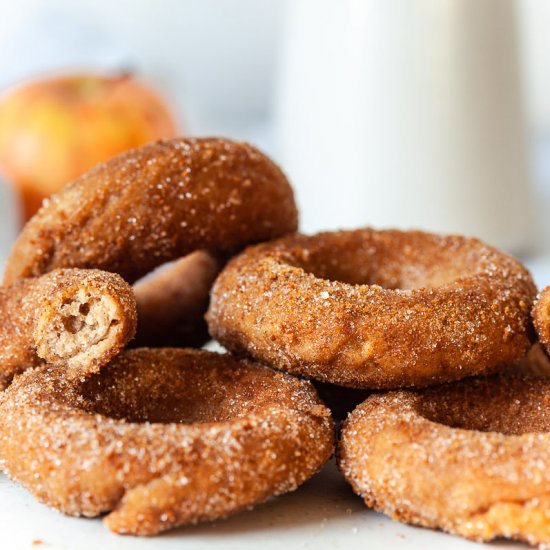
x=156, y=204
x=541, y=318
x=374, y=309
x=162, y=437
x=172, y=300
x=75, y=318
x=470, y=457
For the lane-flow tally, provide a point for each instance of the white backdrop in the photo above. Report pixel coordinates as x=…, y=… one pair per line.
x=217, y=61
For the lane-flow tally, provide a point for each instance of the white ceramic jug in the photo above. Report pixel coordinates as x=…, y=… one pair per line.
x=406, y=113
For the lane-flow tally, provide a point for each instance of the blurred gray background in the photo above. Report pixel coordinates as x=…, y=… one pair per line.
x=426, y=113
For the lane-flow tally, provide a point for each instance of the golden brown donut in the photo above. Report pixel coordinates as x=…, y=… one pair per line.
x=470, y=458
x=374, y=309
x=172, y=301
x=162, y=437
x=78, y=319
x=541, y=317
x=155, y=204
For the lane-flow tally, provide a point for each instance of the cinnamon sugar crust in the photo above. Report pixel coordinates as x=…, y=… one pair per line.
x=156, y=204
x=162, y=437
x=375, y=309
x=541, y=318
x=470, y=458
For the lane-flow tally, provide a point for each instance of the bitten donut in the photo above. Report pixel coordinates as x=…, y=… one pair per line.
x=162, y=437
x=375, y=309
x=75, y=318
x=156, y=204
x=172, y=301
x=470, y=458
x=541, y=318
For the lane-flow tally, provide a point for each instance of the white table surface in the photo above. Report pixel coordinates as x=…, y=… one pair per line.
x=322, y=514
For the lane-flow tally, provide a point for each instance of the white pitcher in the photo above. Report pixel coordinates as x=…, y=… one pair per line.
x=406, y=113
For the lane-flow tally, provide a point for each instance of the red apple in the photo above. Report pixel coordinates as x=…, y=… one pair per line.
x=53, y=130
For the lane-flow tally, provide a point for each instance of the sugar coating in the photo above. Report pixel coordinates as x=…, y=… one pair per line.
x=470, y=457
x=541, y=318
x=162, y=437
x=375, y=309
x=78, y=319
x=155, y=204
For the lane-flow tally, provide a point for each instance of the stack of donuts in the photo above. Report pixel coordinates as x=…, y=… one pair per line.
x=110, y=408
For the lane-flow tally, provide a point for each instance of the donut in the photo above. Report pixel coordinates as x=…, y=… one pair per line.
x=78, y=319
x=470, y=458
x=156, y=204
x=541, y=318
x=172, y=300
x=162, y=437
x=374, y=309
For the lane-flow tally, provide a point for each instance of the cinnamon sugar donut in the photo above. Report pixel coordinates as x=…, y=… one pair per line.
x=172, y=300
x=155, y=204
x=541, y=318
x=374, y=309
x=162, y=437
x=470, y=458
x=78, y=319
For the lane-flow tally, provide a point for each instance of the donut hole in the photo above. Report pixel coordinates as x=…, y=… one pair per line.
x=504, y=404
x=185, y=392
x=390, y=259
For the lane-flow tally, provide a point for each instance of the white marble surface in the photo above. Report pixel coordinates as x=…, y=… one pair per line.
x=322, y=514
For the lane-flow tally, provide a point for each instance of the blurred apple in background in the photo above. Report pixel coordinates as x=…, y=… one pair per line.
x=54, y=130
